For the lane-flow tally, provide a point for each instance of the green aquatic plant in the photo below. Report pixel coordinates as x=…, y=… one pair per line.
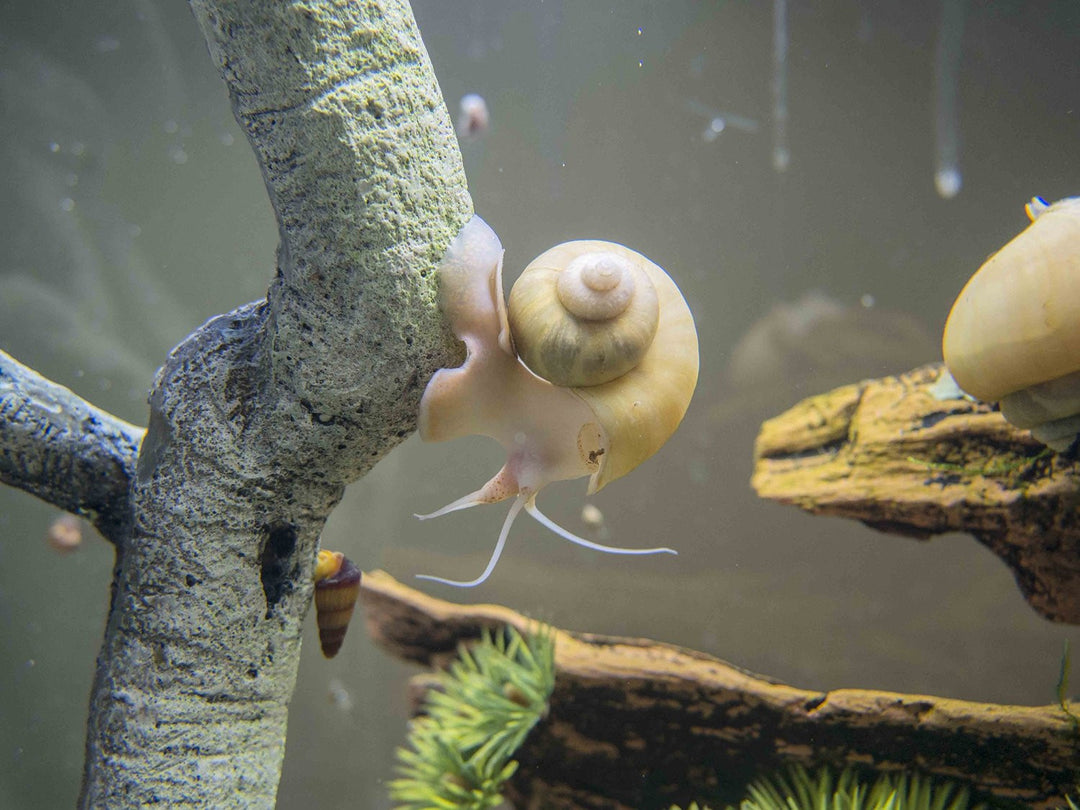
x=459, y=752
x=478, y=713
x=1062, y=693
x=795, y=788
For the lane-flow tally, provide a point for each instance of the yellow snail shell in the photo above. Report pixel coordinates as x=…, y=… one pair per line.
x=1013, y=334
x=619, y=374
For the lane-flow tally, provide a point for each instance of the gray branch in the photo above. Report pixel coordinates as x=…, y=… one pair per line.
x=60, y=448
x=260, y=418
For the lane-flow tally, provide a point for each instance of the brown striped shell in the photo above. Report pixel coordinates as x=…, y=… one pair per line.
x=337, y=587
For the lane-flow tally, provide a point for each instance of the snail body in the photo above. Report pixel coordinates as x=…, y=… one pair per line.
x=1013, y=334
x=599, y=386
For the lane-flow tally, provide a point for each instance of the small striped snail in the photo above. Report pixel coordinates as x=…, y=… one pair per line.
x=1013, y=334
x=613, y=355
x=337, y=587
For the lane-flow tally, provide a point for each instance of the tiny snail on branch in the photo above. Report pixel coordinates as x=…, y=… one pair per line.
x=337, y=587
x=588, y=373
x=1013, y=334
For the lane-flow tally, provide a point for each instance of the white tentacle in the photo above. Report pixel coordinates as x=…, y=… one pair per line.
x=544, y=520
x=515, y=510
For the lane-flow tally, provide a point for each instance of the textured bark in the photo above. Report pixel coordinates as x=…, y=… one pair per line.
x=260, y=418
x=64, y=450
x=636, y=723
x=894, y=455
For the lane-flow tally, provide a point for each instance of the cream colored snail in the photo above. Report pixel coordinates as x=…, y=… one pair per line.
x=1014, y=332
x=615, y=355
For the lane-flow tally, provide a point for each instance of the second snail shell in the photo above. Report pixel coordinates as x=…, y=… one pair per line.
x=608, y=323
x=1013, y=335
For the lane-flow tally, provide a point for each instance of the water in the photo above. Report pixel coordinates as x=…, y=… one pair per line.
x=133, y=210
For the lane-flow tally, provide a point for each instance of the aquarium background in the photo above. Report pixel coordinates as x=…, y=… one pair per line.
x=132, y=210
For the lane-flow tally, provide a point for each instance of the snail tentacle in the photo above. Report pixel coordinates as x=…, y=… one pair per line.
x=547, y=522
x=515, y=510
x=464, y=502
x=503, y=485
x=528, y=502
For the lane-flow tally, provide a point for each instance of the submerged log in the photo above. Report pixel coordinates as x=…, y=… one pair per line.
x=641, y=724
x=903, y=456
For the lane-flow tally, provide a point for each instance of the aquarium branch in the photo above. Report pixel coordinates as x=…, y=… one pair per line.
x=57, y=446
x=903, y=456
x=260, y=418
x=637, y=723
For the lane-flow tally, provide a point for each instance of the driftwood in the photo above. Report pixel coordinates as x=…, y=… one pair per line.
x=895, y=455
x=640, y=724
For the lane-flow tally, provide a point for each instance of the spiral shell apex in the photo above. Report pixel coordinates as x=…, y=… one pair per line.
x=584, y=313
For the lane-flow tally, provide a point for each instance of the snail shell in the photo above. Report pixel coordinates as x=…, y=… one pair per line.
x=606, y=322
x=584, y=313
x=1014, y=332
x=65, y=533
x=601, y=384
x=337, y=587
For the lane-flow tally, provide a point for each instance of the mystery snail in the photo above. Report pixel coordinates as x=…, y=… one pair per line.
x=588, y=373
x=1013, y=334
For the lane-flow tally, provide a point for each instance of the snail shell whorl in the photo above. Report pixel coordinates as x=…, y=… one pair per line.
x=584, y=313
x=641, y=409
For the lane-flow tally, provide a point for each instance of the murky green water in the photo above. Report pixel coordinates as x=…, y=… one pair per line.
x=132, y=210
